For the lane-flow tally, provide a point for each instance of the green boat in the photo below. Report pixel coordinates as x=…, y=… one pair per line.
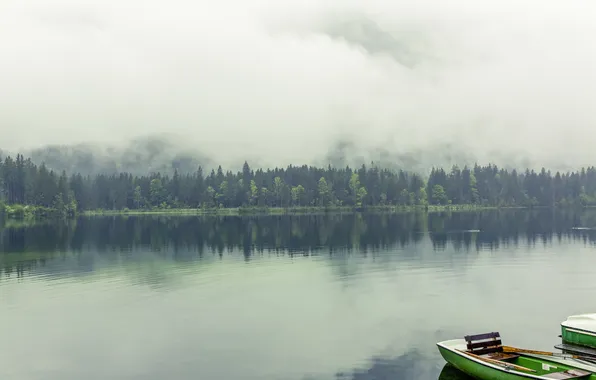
x=484, y=357
x=579, y=330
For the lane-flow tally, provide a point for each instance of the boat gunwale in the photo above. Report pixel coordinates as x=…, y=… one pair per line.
x=570, y=362
x=497, y=367
x=579, y=330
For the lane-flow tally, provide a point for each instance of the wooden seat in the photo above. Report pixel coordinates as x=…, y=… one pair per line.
x=488, y=345
x=569, y=374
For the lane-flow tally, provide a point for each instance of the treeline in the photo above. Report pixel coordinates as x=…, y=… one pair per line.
x=23, y=184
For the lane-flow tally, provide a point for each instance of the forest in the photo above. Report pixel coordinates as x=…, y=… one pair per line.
x=27, y=186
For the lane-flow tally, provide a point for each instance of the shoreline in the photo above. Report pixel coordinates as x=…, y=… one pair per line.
x=239, y=211
x=20, y=212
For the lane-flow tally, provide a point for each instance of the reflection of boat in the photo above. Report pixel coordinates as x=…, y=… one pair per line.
x=484, y=357
x=449, y=372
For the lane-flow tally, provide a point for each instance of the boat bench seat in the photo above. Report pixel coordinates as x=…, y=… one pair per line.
x=489, y=345
x=569, y=374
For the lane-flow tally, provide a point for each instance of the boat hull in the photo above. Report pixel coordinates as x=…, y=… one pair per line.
x=579, y=330
x=474, y=369
x=578, y=337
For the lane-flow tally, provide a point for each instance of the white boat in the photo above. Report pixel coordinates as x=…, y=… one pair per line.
x=580, y=330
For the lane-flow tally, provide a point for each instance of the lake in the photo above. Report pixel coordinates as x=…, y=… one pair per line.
x=354, y=296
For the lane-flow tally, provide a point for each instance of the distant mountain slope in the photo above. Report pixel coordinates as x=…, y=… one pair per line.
x=139, y=157
x=159, y=154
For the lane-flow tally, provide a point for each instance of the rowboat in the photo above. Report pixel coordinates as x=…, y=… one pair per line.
x=484, y=357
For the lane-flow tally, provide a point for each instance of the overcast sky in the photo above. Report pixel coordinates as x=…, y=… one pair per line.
x=286, y=79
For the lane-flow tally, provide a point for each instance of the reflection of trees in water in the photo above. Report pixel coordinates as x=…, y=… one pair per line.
x=190, y=238
x=410, y=365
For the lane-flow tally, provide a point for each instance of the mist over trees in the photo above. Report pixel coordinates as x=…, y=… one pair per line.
x=137, y=157
x=166, y=154
x=24, y=183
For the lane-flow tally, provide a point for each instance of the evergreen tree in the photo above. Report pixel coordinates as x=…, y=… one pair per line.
x=22, y=182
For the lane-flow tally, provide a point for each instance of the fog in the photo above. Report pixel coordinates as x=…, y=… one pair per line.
x=304, y=82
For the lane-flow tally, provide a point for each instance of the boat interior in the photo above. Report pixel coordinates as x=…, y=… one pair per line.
x=488, y=347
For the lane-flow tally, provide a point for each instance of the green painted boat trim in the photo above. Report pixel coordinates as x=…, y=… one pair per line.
x=578, y=337
x=580, y=330
x=453, y=351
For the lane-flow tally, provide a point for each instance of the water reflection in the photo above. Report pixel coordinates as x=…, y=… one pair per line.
x=184, y=239
x=181, y=297
x=411, y=365
x=451, y=373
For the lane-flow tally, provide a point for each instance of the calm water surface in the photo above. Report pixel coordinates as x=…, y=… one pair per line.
x=358, y=297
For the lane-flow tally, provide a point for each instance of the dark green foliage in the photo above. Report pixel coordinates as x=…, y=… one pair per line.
x=24, y=183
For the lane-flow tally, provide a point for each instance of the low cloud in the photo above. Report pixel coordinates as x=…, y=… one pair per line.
x=287, y=83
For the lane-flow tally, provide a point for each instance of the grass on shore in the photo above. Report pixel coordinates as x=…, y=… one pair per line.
x=286, y=211
x=20, y=212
